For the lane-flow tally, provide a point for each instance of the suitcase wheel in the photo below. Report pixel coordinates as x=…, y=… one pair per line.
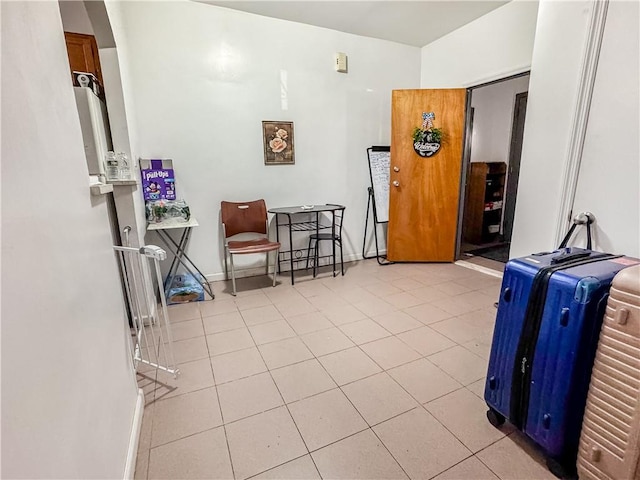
x=495, y=418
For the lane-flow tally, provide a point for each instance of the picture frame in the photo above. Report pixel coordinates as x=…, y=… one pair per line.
x=278, y=143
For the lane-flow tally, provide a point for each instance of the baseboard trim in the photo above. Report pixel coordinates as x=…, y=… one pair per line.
x=479, y=268
x=257, y=271
x=352, y=257
x=136, y=426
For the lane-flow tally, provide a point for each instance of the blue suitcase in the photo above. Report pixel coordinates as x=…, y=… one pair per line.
x=544, y=342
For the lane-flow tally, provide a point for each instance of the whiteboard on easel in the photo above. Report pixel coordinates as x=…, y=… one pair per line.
x=379, y=169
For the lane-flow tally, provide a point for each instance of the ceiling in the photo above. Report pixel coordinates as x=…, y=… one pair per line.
x=416, y=23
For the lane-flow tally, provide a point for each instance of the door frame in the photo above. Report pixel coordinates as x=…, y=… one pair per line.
x=464, y=172
x=466, y=154
x=511, y=188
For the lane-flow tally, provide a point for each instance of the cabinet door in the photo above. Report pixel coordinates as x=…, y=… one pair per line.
x=473, y=217
x=83, y=54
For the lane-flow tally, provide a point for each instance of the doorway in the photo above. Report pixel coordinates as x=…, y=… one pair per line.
x=495, y=128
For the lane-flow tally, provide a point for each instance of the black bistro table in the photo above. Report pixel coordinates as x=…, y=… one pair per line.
x=292, y=217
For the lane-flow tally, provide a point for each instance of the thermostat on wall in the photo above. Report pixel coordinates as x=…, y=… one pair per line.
x=341, y=62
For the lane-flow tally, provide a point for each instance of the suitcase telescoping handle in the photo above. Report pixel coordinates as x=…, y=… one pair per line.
x=584, y=218
x=568, y=256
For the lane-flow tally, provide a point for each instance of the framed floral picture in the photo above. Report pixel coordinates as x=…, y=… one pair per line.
x=278, y=143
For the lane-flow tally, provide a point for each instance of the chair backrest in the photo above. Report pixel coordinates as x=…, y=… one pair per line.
x=242, y=217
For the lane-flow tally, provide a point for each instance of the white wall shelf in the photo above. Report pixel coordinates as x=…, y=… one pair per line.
x=101, y=189
x=122, y=182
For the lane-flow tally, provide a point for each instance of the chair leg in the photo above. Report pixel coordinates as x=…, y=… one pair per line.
x=316, y=257
x=333, y=244
x=341, y=259
x=274, y=267
x=308, y=252
x=226, y=271
x=233, y=275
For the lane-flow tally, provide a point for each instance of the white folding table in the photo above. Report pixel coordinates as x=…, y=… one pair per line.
x=179, y=248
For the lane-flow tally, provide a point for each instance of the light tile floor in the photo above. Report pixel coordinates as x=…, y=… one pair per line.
x=377, y=374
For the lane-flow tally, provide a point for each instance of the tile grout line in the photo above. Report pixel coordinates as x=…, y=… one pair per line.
x=370, y=427
x=443, y=425
x=421, y=404
x=151, y=416
x=186, y=436
x=445, y=372
x=340, y=387
x=387, y=448
x=318, y=359
x=482, y=449
x=426, y=357
x=224, y=428
x=279, y=465
x=423, y=355
x=197, y=390
x=496, y=441
x=287, y=407
x=452, y=466
x=306, y=398
x=441, y=396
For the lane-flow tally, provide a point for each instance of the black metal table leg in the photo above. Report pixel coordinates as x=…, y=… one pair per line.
x=180, y=255
x=291, y=246
x=278, y=240
x=316, y=254
x=175, y=262
x=333, y=239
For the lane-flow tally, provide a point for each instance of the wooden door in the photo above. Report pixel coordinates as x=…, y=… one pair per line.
x=83, y=54
x=424, y=192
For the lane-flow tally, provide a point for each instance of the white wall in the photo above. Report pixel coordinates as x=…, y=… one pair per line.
x=74, y=17
x=202, y=80
x=493, y=119
x=551, y=105
x=68, y=388
x=95, y=19
x=609, y=179
x=494, y=46
x=120, y=102
x=118, y=63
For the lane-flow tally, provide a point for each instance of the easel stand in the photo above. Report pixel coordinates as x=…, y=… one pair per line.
x=371, y=206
